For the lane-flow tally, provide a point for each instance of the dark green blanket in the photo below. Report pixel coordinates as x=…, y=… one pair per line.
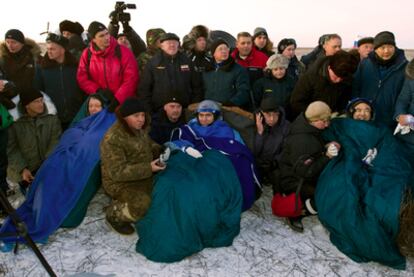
x=196, y=203
x=359, y=204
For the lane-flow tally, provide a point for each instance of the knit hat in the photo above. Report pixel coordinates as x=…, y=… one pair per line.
x=28, y=95
x=384, y=37
x=95, y=27
x=15, y=34
x=365, y=40
x=208, y=106
x=73, y=27
x=132, y=105
x=153, y=35
x=284, y=43
x=216, y=44
x=276, y=61
x=269, y=104
x=317, y=110
x=173, y=97
x=61, y=40
x=259, y=31
x=169, y=36
x=343, y=64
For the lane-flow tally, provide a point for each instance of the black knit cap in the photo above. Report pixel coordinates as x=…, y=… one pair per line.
x=61, y=40
x=95, y=27
x=269, y=104
x=173, y=97
x=365, y=40
x=169, y=36
x=73, y=27
x=15, y=34
x=384, y=37
x=132, y=105
x=28, y=95
x=343, y=64
x=216, y=44
x=284, y=43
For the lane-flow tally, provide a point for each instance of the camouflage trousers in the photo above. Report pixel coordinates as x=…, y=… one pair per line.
x=129, y=202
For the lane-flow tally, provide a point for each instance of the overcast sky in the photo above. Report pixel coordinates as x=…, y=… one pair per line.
x=304, y=20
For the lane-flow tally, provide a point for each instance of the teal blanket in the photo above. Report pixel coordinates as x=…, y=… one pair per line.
x=196, y=203
x=359, y=204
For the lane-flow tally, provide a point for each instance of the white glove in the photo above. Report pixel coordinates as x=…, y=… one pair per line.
x=371, y=155
x=165, y=155
x=332, y=150
x=193, y=152
x=403, y=129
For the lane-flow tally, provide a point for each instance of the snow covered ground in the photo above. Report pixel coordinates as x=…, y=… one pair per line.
x=264, y=247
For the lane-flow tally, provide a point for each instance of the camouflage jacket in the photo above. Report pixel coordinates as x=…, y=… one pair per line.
x=126, y=158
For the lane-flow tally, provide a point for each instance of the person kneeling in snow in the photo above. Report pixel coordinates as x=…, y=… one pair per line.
x=128, y=166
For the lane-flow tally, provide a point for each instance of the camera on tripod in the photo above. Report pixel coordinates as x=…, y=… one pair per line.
x=119, y=15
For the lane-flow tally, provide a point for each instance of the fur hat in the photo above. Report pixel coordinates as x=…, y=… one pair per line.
x=259, y=31
x=169, y=36
x=216, y=44
x=343, y=64
x=28, y=95
x=384, y=37
x=153, y=35
x=132, y=105
x=269, y=104
x=73, y=27
x=199, y=31
x=284, y=43
x=276, y=61
x=94, y=28
x=61, y=40
x=409, y=70
x=317, y=110
x=16, y=35
x=365, y=40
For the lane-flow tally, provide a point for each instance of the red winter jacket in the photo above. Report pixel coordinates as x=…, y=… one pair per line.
x=255, y=59
x=108, y=71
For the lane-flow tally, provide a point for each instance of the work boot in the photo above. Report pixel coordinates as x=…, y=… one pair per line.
x=123, y=228
x=295, y=223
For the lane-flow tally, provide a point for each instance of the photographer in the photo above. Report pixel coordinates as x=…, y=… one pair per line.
x=129, y=37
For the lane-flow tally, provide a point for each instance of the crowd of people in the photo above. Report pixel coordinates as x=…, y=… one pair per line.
x=157, y=109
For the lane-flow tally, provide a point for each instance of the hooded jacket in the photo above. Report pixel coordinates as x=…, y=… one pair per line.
x=107, y=71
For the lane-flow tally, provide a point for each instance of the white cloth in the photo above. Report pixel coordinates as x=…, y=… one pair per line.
x=371, y=155
x=193, y=152
x=332, y=150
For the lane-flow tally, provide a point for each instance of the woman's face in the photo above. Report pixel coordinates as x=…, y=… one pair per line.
x=205, y=118
x=385, y=51
x=94, y=106
x=289, y=51
x=135, y=121
x=279, y=72
x=362, y=112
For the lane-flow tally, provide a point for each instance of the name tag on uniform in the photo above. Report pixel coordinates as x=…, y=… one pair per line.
x=160, y=67
x=185, y=67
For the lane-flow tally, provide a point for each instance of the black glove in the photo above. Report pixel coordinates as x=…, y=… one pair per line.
x=106, y=94
x=112, y=105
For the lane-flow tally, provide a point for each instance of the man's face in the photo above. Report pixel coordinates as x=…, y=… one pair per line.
x=102, y=39
x=136, y=120
x=362, y=112
x=279, y=72
x=289, y=51
x=244, y=45
x=321, y=124
x=201, y=44
x=271, y=118
x=55, y=51
x=170, y=47
x=173, y=111
x=385, y=51
x=205, y=118
x=332, y=46
x=36, y=107
x=67, y=34
x=260, y=41
x=13, y=46
x=333, y=77
x=365, y=49
x=123, y=40
x=221, y=53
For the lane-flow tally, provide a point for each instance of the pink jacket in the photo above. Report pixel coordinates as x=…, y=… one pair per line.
x=107, y=71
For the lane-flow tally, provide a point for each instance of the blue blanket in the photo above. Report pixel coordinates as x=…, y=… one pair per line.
x=196, y=203
x=359, y=204
x=61, y=179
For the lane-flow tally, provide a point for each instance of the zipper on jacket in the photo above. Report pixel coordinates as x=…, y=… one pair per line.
x=106, y=80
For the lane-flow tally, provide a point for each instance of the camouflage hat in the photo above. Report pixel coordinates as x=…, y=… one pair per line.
x=153, y=35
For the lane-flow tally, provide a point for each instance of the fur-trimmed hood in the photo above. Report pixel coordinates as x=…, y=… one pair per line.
x=190, y=39
x=409, y=70
x=29, y=44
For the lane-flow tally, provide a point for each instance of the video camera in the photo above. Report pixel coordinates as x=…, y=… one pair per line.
x=119, y=14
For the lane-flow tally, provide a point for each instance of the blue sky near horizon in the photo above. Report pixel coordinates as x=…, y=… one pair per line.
x=304, y=20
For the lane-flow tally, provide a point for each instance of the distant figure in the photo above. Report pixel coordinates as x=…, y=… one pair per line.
x=365, y=46
x=287, y=48
x=153, y=46
x=262, y=42
x=195, y=44
x=328, y=45
x=73, y=32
